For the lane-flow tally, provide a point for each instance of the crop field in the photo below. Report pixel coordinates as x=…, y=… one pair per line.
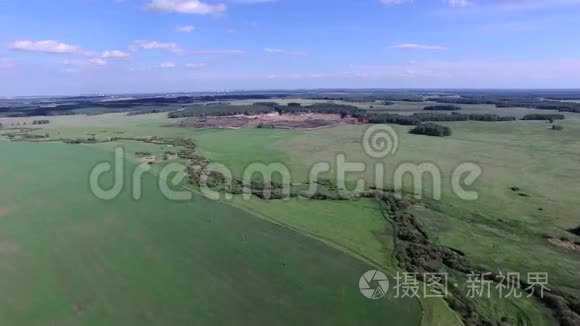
x=500, y=230
x=160, y=262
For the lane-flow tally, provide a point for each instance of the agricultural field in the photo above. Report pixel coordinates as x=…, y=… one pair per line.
x=283, y=261
x=76, y=260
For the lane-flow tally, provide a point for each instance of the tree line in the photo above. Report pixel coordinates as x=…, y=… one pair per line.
x=418, y=118
x=265, y=108
x=544, y=116
x=447, y=107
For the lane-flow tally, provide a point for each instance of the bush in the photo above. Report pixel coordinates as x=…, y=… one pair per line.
x=431, y=129
x=442, y=108
x=262, y=125
x=557, y=127
x=541, y=116
x=40, y=122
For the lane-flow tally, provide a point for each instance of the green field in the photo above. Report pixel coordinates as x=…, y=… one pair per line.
x=73, y=259
x=176, y=262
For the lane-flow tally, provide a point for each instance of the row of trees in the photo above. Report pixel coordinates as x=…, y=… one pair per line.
x=418, y=118
x=544, y=116
x=40, y=122
x=512, y=100
x=35, y=122
x=332, y=108
x=448, y=107
x=265, y=108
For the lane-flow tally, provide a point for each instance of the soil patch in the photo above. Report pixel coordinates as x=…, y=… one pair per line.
x=148, y=159
x=566, y=244
x=306, y=121
x=7, y=248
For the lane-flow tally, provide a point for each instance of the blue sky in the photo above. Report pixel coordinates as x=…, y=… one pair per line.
x=118, y=46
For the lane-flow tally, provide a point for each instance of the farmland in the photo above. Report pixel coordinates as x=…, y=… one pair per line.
x=76, y=260
x=176, y=261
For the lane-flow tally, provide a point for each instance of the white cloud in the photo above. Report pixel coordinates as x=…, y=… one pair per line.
x=115, y=54
x=98, y=61
x=167, y=65
x=196, y=65
x=186, y=29
x=84, y=63
x=197, y=7
x=48, y=46
x=154, y=45
x=174, y=48
x=415, y=46
x=459, y=3
x=286, y=52
x=80, y=65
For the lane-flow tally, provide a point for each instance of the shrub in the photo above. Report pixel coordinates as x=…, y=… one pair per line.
x=541, y=116
x=262, y=125
x=442, y=108
x=40, y=122
x=431, y=129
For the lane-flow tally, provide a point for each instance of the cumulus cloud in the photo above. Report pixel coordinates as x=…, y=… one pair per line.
x=197, y=7
x=286, y=52
x=186, y=29
x=154, y=45
x=415, y=46
x=167, y=65
x=115, y=54
x=48, y=46
x=80, y=65
x=54, y=47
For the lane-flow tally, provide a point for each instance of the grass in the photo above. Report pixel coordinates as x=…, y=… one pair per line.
x=71, y=259
x=499, y=231
x=239, y=148
x=357, y=228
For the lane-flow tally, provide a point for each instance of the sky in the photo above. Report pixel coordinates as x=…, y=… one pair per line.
x=71, y=47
